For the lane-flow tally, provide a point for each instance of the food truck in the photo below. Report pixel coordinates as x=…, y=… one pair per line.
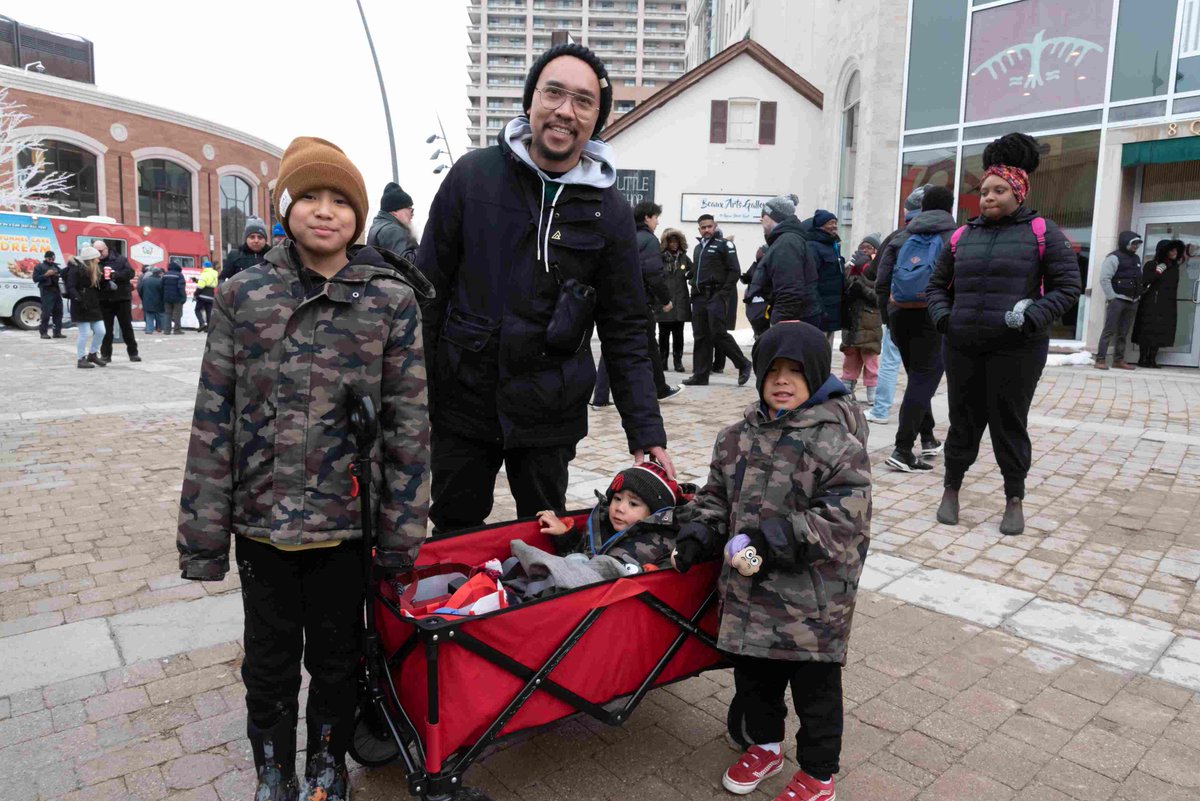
x=25, y=238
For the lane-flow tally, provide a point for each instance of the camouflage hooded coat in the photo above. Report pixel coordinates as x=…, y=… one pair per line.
x=647, y=542
x=804, y=480
x=271, y=447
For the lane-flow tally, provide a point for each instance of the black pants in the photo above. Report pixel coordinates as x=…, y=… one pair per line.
x=464, y=479
x=122, y=312
x=709, y=317
x=670, y=340
x=757, y=712
x=203, y=310
x=1118, y=321
x=302, y=603
x=992, y=389
x=920, y=347
x=1148, y=356
x=601, y=393
x=52, y=310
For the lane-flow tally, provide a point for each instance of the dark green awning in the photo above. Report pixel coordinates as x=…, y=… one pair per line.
x=1163, y=151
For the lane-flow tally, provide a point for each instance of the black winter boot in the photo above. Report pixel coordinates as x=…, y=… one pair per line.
x=947, y=512
x=325, y=776
x=275, y=760
x=1013, y=522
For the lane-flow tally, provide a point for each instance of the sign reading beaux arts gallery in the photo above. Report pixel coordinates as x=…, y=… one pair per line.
x=725, y=208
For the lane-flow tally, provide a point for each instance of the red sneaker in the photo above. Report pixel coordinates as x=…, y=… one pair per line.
x=803, y=787
x=751, y=769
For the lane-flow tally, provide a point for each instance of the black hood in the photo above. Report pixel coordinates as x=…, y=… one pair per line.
x=788, y=225
x=798, y=341
x=1163, y=248
x=934, y=221
x=1125, y=240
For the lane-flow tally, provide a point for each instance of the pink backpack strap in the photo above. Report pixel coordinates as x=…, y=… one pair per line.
x=957, y=235
x=1039, y=230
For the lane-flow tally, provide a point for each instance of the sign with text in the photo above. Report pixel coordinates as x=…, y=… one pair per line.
x=724, y=208
x=636, y=185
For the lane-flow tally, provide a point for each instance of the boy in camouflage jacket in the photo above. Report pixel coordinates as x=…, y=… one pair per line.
x=634, y=521
x=788, y=501
x=271, y=449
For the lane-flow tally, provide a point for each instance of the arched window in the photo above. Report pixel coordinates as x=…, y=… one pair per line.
x=237, y=203
x=82, y=193
x=849, y=156
x=164, y=195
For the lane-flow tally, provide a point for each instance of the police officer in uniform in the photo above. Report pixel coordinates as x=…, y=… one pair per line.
x=717, y=272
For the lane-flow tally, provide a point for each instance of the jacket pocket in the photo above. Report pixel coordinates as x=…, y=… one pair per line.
x=467, y=350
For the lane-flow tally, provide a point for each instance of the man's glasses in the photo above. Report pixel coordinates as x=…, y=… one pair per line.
x=552, y=98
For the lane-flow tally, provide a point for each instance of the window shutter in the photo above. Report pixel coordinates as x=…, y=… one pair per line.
x=718, y=122
x=766, y=122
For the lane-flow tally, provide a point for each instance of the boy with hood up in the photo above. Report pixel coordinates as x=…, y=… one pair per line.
x=271, y=453
x=788, y=502
x=1121, y=280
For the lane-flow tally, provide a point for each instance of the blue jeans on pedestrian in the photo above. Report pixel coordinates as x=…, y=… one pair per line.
x=96, y=329
x=889, y=368
x=155, y=321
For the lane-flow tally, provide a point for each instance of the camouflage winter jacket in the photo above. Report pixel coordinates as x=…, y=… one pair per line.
x=270, y=448
x=808, y=470
x=646, y=542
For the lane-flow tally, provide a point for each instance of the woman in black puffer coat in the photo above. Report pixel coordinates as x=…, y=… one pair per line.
x=677, y=270
x=994, y=294
x=1157, y=314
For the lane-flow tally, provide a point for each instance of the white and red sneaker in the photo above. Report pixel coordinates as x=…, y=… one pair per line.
x=803, y=787
x=751, y=769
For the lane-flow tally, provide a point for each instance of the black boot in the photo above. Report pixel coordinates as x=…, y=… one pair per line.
x=679, y=365
x=947, y=512
x=325, y=776
x=1013, y=522
x=275, y=760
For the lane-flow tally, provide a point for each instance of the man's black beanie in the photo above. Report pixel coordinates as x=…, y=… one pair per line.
x=799, y=342
x=394, y=198
x=582, y=53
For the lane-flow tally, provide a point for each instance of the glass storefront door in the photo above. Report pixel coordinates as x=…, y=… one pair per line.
x=1186, y=351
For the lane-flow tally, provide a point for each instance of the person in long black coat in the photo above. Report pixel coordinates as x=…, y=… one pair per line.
x=1158, y=311
x=996, y=290
x=677, y=270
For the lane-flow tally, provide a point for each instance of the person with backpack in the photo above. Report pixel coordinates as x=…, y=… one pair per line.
x=997, y=288
x=901, y=285
x=174, y=292
x=1121, y=280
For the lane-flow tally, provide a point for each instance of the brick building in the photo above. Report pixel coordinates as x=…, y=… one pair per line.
x=145, y=165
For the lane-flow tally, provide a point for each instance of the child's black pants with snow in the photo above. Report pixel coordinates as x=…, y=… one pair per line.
x=758, y=712
x=993, y=390
x=302, y=603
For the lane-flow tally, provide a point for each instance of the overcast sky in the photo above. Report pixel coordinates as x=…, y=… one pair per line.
x=279, y=69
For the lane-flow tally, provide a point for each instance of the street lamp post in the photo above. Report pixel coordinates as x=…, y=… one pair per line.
x=437, y=153
x=387, y=112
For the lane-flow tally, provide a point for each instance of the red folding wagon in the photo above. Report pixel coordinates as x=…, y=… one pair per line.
x=439, y=690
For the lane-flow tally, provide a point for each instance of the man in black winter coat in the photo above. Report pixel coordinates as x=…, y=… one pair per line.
x=513, y=232
x=392, y=227
x=116, y=301
x=47, y=277
x=658, y=297
x=252, y=251
x=787, y=274
x=714, y=276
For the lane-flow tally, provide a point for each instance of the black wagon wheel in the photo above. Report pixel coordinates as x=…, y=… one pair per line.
x=372, y=744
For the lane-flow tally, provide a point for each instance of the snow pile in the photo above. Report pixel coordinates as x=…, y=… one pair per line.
x=1069, y=359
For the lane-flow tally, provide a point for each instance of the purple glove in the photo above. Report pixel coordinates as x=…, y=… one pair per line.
x=737, y=543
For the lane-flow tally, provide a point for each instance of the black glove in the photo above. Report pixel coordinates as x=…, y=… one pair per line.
x=942, y=324
x=687, y=553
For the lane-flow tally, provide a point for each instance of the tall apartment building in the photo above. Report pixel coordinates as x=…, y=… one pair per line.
x=643, y=42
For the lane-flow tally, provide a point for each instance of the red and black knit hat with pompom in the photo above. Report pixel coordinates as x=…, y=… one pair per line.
x=650, y=482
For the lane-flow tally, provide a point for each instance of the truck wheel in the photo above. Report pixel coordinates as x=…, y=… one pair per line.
x=27, y=315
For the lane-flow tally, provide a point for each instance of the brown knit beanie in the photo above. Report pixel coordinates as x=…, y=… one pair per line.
x=310, y=163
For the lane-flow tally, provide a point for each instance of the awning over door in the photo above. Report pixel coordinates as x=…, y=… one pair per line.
x=1163, y=151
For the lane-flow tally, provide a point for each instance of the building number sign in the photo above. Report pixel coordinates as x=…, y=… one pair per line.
x=1193, y=126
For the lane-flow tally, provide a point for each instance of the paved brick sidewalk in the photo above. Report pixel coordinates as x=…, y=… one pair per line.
x=938, y=708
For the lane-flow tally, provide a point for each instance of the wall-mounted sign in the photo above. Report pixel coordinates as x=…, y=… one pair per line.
x=636, y=185
x=724, y=208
